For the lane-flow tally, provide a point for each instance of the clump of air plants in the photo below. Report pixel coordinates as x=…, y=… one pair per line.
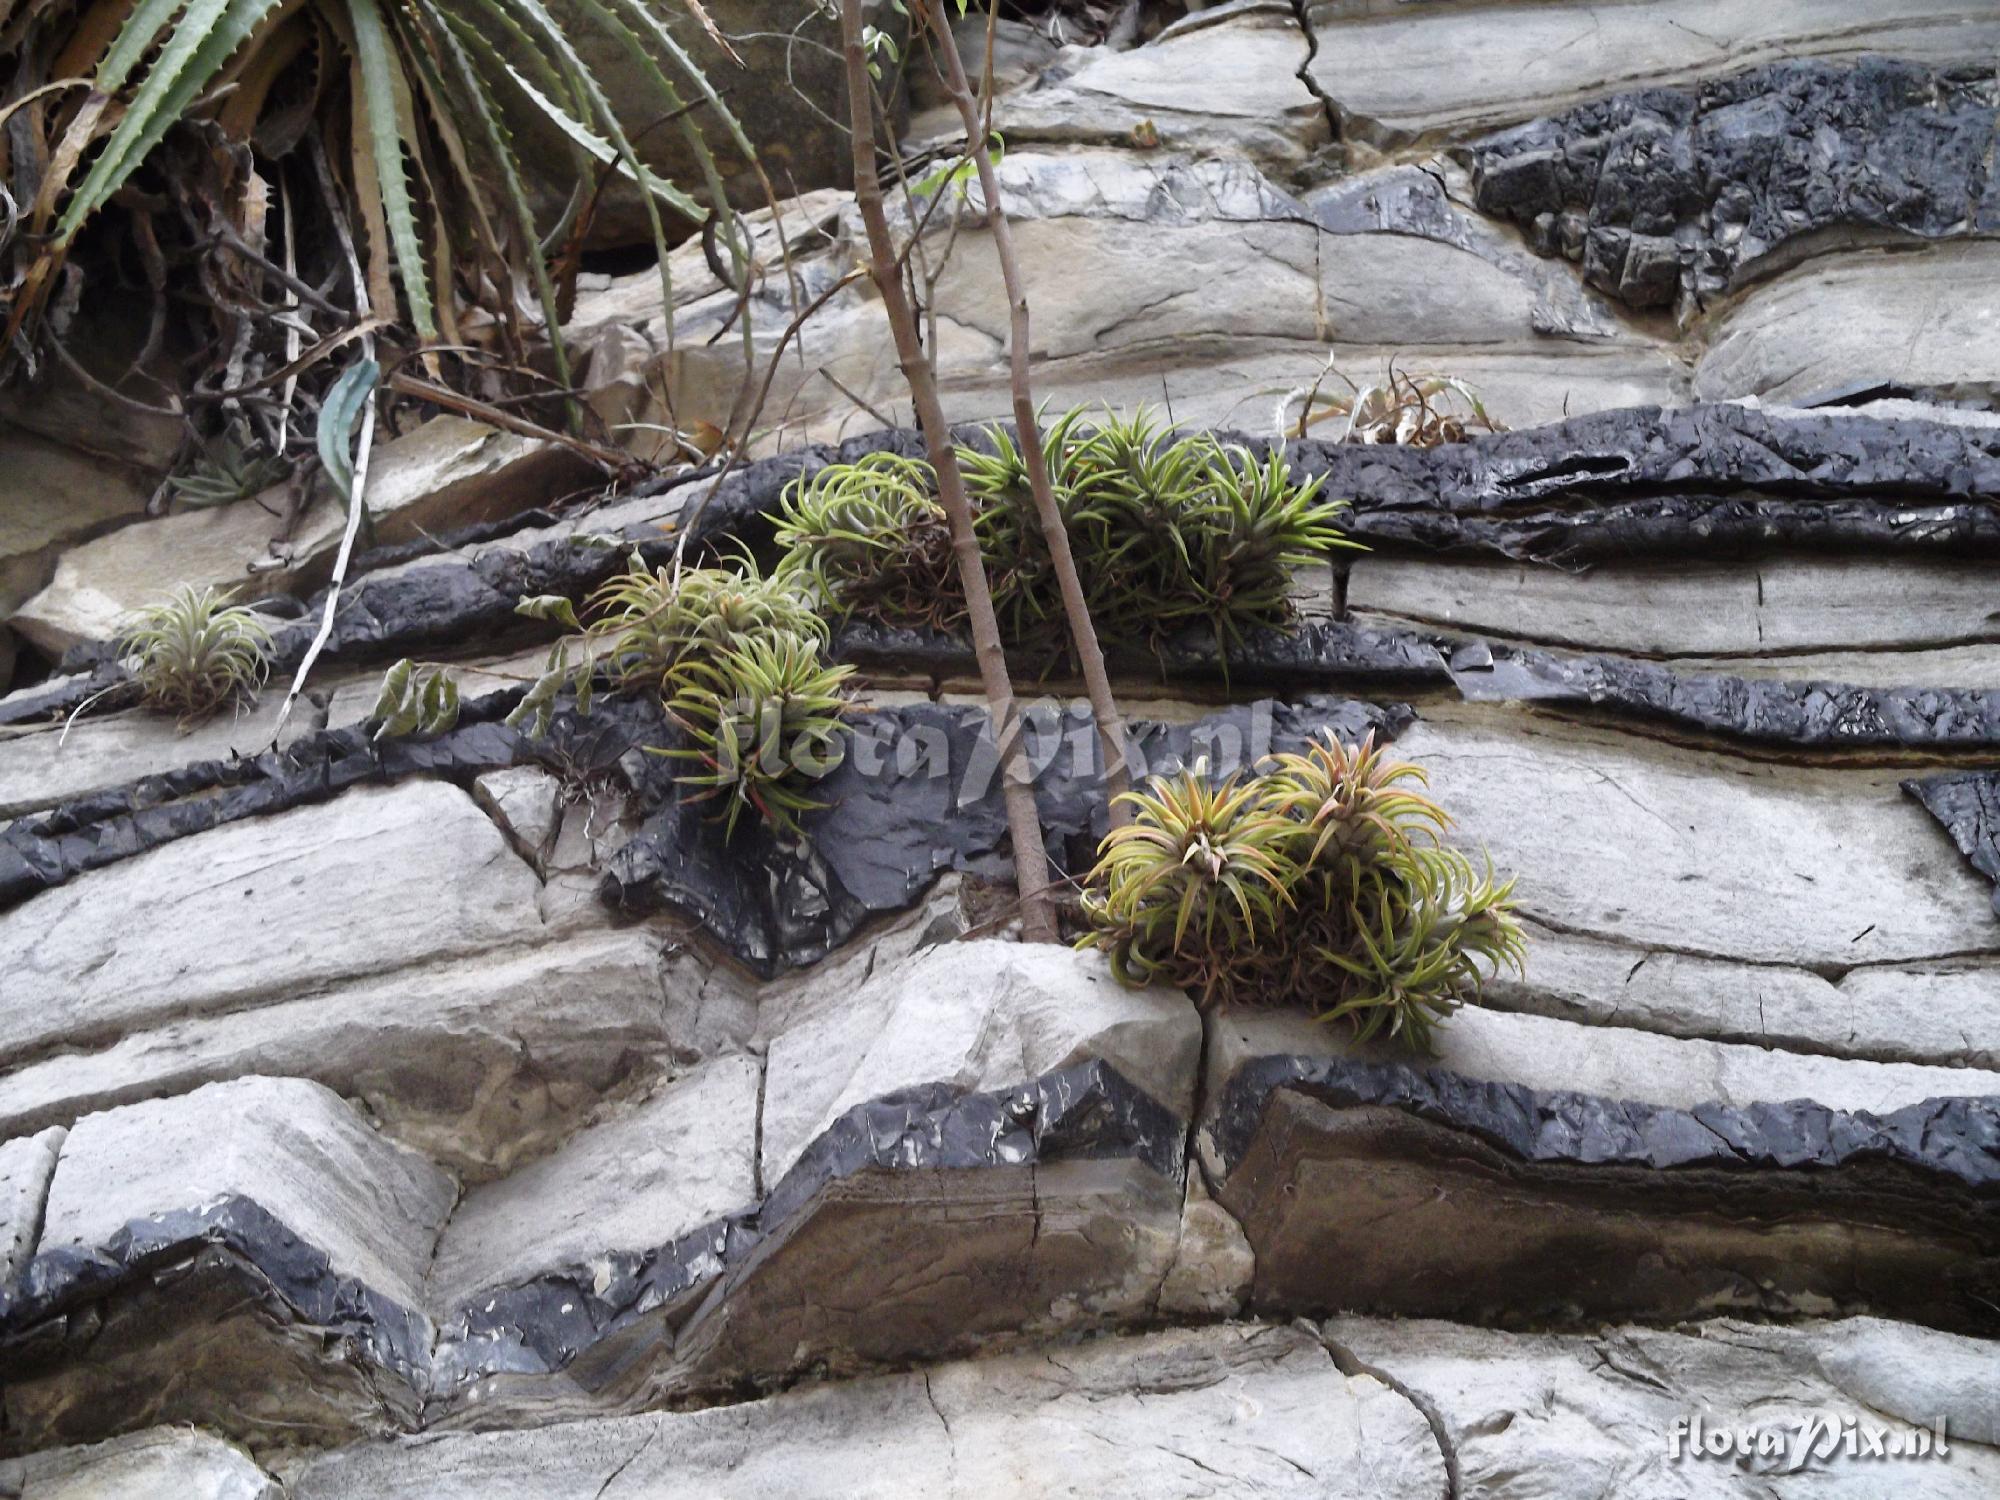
x=1169, y=531
x=194, y=651
x=1324, y=882
x=644, y=622
x=734, y=656
x=1414, y=410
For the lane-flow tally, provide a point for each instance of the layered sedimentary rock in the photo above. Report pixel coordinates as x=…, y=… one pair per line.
x=1366, y=1183
x=466, y=1114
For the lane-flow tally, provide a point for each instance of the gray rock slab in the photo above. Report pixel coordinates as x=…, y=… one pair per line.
x=526, y=802
x=1217, y=1412
x=1701, y=853
x=1963, y=667
x=1613, y=1062
x=292, y=1147
x=160, y=1462
x=982, y=1014
x=376, y=880
x=448, y=472
x=1917, y=1375
x=1942, y=1013
x=26, y=1164
x=1512, y=62
x=1922, y=318
x=886, y=1267
x=42, y=766
x=1529, y=1183
x=1191, y=280
x=53, y=496
x=633, y=1182
x=1552, y=1416
x=1767, y=610
x=1214, y=1266
x=714, y=1008
x=1226, y=84
x=478, y=1061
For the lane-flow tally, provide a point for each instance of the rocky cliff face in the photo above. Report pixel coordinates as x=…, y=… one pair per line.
x=464, y=1116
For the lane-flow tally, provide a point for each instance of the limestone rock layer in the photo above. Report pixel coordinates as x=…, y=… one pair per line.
x=469, y=1115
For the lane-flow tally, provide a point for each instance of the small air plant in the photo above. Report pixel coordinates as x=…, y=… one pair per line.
x=1027, y=598
x=1420, y=934
x=1355, y=802
x=1414, y=410
x=194, y=651
x=762, y=716
x=227, y=470
x=734, y=657
x=1344, y=897
x=649, y=620
x=1257, y=527
x=871, y=537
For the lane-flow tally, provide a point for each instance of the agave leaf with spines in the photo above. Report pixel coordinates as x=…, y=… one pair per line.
x=382, y=109
x=424, y=98
x=203, y=39
x=337, y=420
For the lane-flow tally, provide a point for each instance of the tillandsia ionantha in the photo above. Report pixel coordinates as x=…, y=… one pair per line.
x=1325, y=882
x=193, y=651
x=763, y=718
x=735, y=657
x=1186, y=892
x=645, y=621
x=1169, y=531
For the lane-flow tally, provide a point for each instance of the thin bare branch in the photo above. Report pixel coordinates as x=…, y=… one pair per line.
x=1017, y=787
x=1083, y=632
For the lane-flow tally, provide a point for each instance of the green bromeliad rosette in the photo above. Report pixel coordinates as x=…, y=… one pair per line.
x=1324, y=882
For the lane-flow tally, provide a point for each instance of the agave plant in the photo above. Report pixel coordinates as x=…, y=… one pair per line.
x=871, y=537
x=1185, y=892
x=763, y=717
x=192, y=652
x=284, y=144
x=1346, y=900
